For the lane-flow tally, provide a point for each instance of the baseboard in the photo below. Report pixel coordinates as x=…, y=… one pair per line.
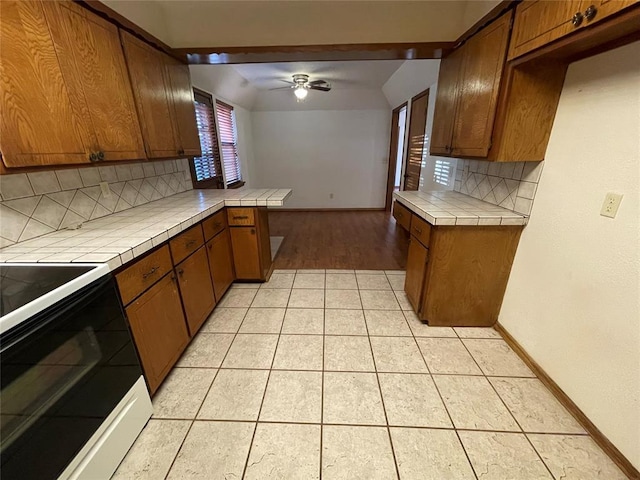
x=381, y=209
x=604, y=443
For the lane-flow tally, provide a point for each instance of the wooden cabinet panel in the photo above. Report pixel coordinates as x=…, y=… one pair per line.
x=185, y=126
x=41, y=121
x=484, y=57
x=186, y=243
x=420, y=230
x=214, y=224
x=152, y=95
x=246, y=253
x=97, y=54
x=221, y=263
x=538, y=22
x=446, y=101
x=143, y=273
x=264, y=242
x=159, y=329
x=241, y=216
x=416, y=268
x=402, y=215
x=196, y=289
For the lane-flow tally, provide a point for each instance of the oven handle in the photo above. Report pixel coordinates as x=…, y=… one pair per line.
x=42, y=319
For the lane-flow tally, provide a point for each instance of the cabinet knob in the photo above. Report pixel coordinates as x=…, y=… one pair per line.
x=253, y=231
x=100, y=155
x=181, y=151
x=577, y=18
x=180, y=272
x=590, y=13
x=93, y=157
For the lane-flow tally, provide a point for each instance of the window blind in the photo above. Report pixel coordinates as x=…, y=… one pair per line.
x=228, y=142
x=207, y=169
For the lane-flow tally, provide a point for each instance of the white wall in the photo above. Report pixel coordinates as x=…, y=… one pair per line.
x=224, y=84
x=323, y=152
x=573, y=297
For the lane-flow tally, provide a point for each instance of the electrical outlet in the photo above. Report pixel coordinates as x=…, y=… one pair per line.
x=610, y=205
x=106, y=191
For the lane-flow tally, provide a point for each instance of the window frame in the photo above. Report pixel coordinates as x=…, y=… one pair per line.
x=216, y=182
x=239, y=182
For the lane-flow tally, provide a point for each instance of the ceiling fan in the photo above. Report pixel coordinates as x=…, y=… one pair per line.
x=301, y=85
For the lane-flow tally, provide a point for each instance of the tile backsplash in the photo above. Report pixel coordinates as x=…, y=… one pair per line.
x=511, y=185
x=33, y=204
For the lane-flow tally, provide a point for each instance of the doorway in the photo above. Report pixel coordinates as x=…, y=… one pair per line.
x=396, y=152
x=416, y=151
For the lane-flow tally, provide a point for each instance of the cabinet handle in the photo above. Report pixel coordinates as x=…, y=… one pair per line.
x=210, y=246
x=93, y=157
x=181, y=151
x=189, y=244
x=253, y=231
x=576, y=20
x=418, y=231
x=590, y=13
x=180, y=272
x=240, y=217
x=149, y=273
x=173, y=277
x=100, y=155
x=217, y=225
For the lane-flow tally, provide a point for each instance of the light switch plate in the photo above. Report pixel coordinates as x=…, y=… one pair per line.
x=611, y=204
x=106, y=191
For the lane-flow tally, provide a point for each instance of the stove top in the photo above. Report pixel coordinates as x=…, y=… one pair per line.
x=29, y=288
x=21, y=284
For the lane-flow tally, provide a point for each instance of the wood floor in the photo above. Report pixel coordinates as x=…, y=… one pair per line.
x=347, y=240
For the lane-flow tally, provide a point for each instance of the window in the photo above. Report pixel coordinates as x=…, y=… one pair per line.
x=443, y=172
x=206, y=171
x=228, y=143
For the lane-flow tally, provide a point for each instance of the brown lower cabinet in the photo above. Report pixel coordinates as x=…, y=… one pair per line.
x=196, y=289
x=457, y=275
x=249, y=228
x=159, y=329
x=221, y=263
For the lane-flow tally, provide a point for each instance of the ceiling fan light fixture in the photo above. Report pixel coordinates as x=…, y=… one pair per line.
x=300, y=92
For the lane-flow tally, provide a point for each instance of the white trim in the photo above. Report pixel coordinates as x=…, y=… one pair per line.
x=107, y=447
x=21, y=314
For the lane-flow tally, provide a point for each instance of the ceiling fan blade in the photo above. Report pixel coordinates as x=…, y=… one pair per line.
x=282, y=88
x=317, y=87
x=317, y=82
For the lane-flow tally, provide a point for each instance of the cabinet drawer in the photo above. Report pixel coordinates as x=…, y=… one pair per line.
x=402, y=215
x=143, y=273
x=421, y=230
x=241, y=216
x=214, y=225
x=186, y=243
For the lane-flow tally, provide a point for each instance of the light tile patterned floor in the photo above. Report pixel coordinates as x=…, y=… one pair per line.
x=329, y=375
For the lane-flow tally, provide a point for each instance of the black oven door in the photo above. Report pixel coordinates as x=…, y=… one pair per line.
x=62, y=372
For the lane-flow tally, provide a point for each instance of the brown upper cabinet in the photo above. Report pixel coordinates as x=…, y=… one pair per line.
x=164, y=97
x=468, y=87
x=72, y=102
x=539, y=22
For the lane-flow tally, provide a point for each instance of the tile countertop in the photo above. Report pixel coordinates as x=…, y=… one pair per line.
x=120, y=237
x=455, y=208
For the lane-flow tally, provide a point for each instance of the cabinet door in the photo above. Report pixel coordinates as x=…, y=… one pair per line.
x=41, y=119
x=416, y=270
x=185, y=126
x=538, y=22
x=196, y=289
x=608, y=7
x=152, y=96
x=97, y=55
x=246, y=256
x=483, y=64
x=159, y=329
x=221, y=263
x=445, y=107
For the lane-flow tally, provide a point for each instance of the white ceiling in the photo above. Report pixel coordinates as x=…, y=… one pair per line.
x=360, y=74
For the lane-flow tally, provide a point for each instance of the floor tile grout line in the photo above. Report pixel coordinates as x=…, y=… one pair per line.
x=444, y=404
x=322, y=376
x=384, y=409
x=264, y=394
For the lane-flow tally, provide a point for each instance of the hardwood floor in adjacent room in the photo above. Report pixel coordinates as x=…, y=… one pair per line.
x=361, y=240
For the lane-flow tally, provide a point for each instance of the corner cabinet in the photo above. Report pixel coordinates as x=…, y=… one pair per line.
x=467, y=97
x=250, y=242
x=76, y=89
